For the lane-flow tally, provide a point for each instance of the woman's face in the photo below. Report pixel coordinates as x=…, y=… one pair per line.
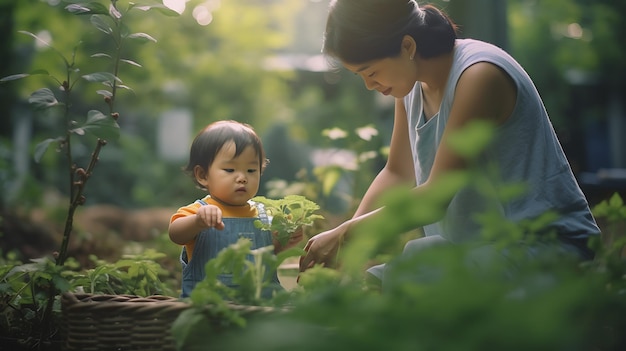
x=390, y=76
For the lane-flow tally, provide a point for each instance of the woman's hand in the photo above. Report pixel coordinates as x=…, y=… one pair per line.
x=323, y=247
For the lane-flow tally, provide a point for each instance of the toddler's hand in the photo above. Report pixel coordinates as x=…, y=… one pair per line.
x=210, y=216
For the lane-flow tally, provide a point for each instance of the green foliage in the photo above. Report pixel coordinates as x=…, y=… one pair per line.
x=216, y=306
x=473, y=139
x=611, y=246
x=215, y=72
x=110, y=20
x=40, y=282
x=452, y=297
x=553, y=30
x=25, y=287
x=250, y=270
x=511, y=303
x=137, y=274
x=288, y=214
x=347, y=163
x=612, y=209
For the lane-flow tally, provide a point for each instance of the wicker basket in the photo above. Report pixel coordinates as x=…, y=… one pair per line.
x=93, y=322
x=119, y=322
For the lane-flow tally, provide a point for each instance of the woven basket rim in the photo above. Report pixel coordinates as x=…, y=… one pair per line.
x=108, y=303
x=72, y=301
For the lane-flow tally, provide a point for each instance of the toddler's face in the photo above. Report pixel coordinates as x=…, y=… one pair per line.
x=233, y=180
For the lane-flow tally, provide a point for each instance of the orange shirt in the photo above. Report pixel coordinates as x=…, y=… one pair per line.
x=227, y=212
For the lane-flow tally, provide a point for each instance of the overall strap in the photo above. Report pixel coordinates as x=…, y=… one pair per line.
x=259, y=207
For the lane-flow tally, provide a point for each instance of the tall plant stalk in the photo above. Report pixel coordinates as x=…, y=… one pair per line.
x=108, y=19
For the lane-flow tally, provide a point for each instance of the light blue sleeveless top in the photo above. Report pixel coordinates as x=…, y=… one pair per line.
x=211, y=241
x=526, y=150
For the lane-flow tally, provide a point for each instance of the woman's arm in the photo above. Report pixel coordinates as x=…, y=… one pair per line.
x=399, y=167
x=322, y=248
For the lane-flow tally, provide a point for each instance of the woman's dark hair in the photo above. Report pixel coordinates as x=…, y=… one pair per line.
x=359, y=31
x=213, y=137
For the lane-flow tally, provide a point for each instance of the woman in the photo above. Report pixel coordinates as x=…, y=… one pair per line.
x=440, y=84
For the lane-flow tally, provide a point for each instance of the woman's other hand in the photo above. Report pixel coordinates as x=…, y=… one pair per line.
x=322, y=248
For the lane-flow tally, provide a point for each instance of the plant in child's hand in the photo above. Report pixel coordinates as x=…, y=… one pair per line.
x=288, y=215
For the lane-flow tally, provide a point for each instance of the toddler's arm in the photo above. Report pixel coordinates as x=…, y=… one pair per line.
x=184, y=229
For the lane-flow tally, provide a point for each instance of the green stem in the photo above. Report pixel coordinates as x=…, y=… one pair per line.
x=52, y=291
x=118, y=52
x=77, y=200
x=258, y=261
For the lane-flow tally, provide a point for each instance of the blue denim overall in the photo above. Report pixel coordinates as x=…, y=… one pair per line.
x=211, y=241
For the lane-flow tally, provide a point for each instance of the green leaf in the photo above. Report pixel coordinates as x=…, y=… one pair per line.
x=43, y=98
x=331, y=177
x=472, y=139
x=132, y=63
x=45, y=43
x=142, y=37
x=105, y=93
x=41, y=41
x=61, y=283
x=14, y=77
x=100, y=54
x=101, y=77
x=288, y=214
x=41, y=148
x=114, y=12
x=123, y=30
x=5, y=269
x=158, y=7
x=191, y=327
x=616, y=200
x=122, y=86
x=152, y=275
x=100, y=125
x=25, y=268
x=90, y=8
x=99, y=22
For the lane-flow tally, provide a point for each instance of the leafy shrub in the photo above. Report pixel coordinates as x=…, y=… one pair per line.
x=550, y=303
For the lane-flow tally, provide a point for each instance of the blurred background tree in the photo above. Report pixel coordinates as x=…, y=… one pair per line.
x=258, y=61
